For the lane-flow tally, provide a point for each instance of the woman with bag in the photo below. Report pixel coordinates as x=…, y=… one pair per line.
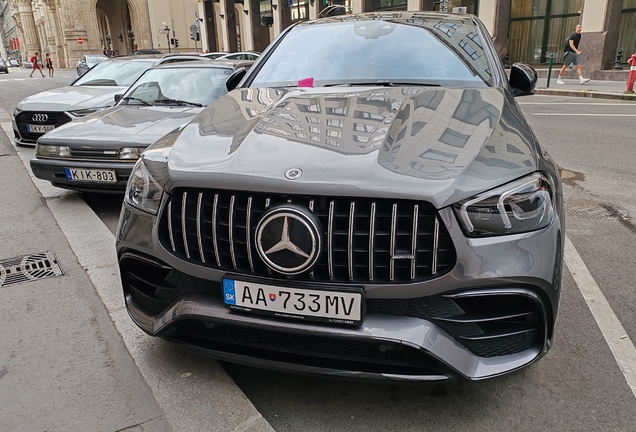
x=49, y=65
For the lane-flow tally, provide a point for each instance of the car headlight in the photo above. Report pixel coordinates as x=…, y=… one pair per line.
x=52, y=151
x=87, y=111
x=16, y=112
x=130, y=153
x=142, y=191
x=521, y=206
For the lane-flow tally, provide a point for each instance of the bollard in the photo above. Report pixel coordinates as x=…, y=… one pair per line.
x=632, y=74
x=550, y=70
x=618, y=65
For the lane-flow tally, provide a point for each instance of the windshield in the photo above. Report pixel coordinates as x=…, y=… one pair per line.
x=114, y=73
x=178, y=86
x=431, y=52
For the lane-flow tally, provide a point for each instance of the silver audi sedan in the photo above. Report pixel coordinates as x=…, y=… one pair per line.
x=367, y=201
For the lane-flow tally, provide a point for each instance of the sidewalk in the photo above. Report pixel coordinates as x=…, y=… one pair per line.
x=71, y=359
x=593, y=88
x=63, y=365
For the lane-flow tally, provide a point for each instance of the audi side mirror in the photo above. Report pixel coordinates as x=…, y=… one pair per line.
x=235, y=78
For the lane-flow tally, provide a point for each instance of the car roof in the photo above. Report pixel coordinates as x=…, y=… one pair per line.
x=135, y=57
x=205, y=64
x=180, y=58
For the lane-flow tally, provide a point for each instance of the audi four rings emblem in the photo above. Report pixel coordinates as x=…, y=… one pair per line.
x=293, y=173
x=40, y=118
x=288, y=240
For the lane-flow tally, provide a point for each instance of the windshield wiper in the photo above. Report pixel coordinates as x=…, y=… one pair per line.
x=178, y=102
x=383, y=83
x=127, y=98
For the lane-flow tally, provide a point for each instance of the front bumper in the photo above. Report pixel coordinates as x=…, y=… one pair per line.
x=29, y=139
x=52, y=170
x=421, y=346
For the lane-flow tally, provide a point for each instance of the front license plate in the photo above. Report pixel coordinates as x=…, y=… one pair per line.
x=337, y=307
x=90, y=175
x=39, y=128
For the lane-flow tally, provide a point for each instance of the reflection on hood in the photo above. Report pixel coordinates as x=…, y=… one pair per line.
x=447, y=137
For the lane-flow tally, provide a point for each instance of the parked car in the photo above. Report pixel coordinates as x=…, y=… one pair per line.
x=146, y=51
x=88, y=61
x=239, y=56
x=175, y=58
x=370, y=202
x=97, y=152
x=93, y=91
x=4, y=67
x=27, y=64
x=213, y=55
x=13, y=63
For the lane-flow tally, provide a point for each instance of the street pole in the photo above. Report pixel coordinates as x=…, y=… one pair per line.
x=550, y=70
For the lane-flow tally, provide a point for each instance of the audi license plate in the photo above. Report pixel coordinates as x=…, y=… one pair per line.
x=39, y=128
x=90, y=175
x=337, y=307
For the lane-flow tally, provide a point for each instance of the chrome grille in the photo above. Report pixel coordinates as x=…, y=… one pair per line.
x=364, y=240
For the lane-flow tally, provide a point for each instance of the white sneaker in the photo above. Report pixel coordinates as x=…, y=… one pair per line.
x=559, y=81
x=583, y=80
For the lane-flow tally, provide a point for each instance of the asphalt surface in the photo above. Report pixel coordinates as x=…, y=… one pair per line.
x=577, y=386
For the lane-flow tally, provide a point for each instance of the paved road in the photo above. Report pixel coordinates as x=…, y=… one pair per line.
x=578, y=385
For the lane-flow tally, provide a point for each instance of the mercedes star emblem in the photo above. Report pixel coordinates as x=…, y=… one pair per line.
x=40, y=118
x=293, y=173
x=288, y=240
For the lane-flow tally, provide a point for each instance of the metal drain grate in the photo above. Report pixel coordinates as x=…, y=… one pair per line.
x=29, y=268
x=588, y=210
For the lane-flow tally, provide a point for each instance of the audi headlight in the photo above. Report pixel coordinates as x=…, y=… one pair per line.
x=87, y=111
x=16, y=112
x=524, y=205
x=130, y=153
x=142, y=191
x=52, y=151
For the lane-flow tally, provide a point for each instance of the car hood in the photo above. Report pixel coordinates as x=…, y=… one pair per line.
x=71, y=98
x=437, y=144
x=136, y=126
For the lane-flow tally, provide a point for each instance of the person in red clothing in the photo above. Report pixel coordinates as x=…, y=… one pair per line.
x=36, y=65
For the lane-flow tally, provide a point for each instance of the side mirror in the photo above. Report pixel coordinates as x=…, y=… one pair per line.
x=118, y=97
x=235, y=78
x=523, y=79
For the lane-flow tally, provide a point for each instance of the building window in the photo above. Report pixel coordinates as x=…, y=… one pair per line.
x=469, y=49
x=538, y=29
x=627, y=33
x=314, y=130
x=390, y=4
x=314, y=120
x=335, y=123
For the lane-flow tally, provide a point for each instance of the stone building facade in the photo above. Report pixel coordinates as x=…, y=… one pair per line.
x=526, y=30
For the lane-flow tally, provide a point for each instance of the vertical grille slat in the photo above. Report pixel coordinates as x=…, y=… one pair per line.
x=231, y=230
x=184, y=231
x=330, y=240
x=215, y=242
x=365, y=240
x=199, y=199
x=248, y=231
x=416, y=216
x=352, y=210
x=392, y=244
x=371, y=241
x=170, y=227
x=435, y=246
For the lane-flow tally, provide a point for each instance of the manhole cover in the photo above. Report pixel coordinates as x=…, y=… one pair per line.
x=29, y=268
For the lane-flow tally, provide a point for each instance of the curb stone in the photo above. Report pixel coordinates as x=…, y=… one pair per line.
x=586, y=93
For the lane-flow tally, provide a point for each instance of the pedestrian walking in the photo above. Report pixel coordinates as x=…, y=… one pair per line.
x=37, y=64
x=49, y=65
x=572, y=56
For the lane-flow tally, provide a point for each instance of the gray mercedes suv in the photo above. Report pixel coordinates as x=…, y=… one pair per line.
x=368, y=201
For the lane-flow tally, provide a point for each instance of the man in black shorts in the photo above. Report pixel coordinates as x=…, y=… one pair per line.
x=572, y=56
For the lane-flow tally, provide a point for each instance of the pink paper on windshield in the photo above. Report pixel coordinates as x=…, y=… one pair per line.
x=306, y=82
